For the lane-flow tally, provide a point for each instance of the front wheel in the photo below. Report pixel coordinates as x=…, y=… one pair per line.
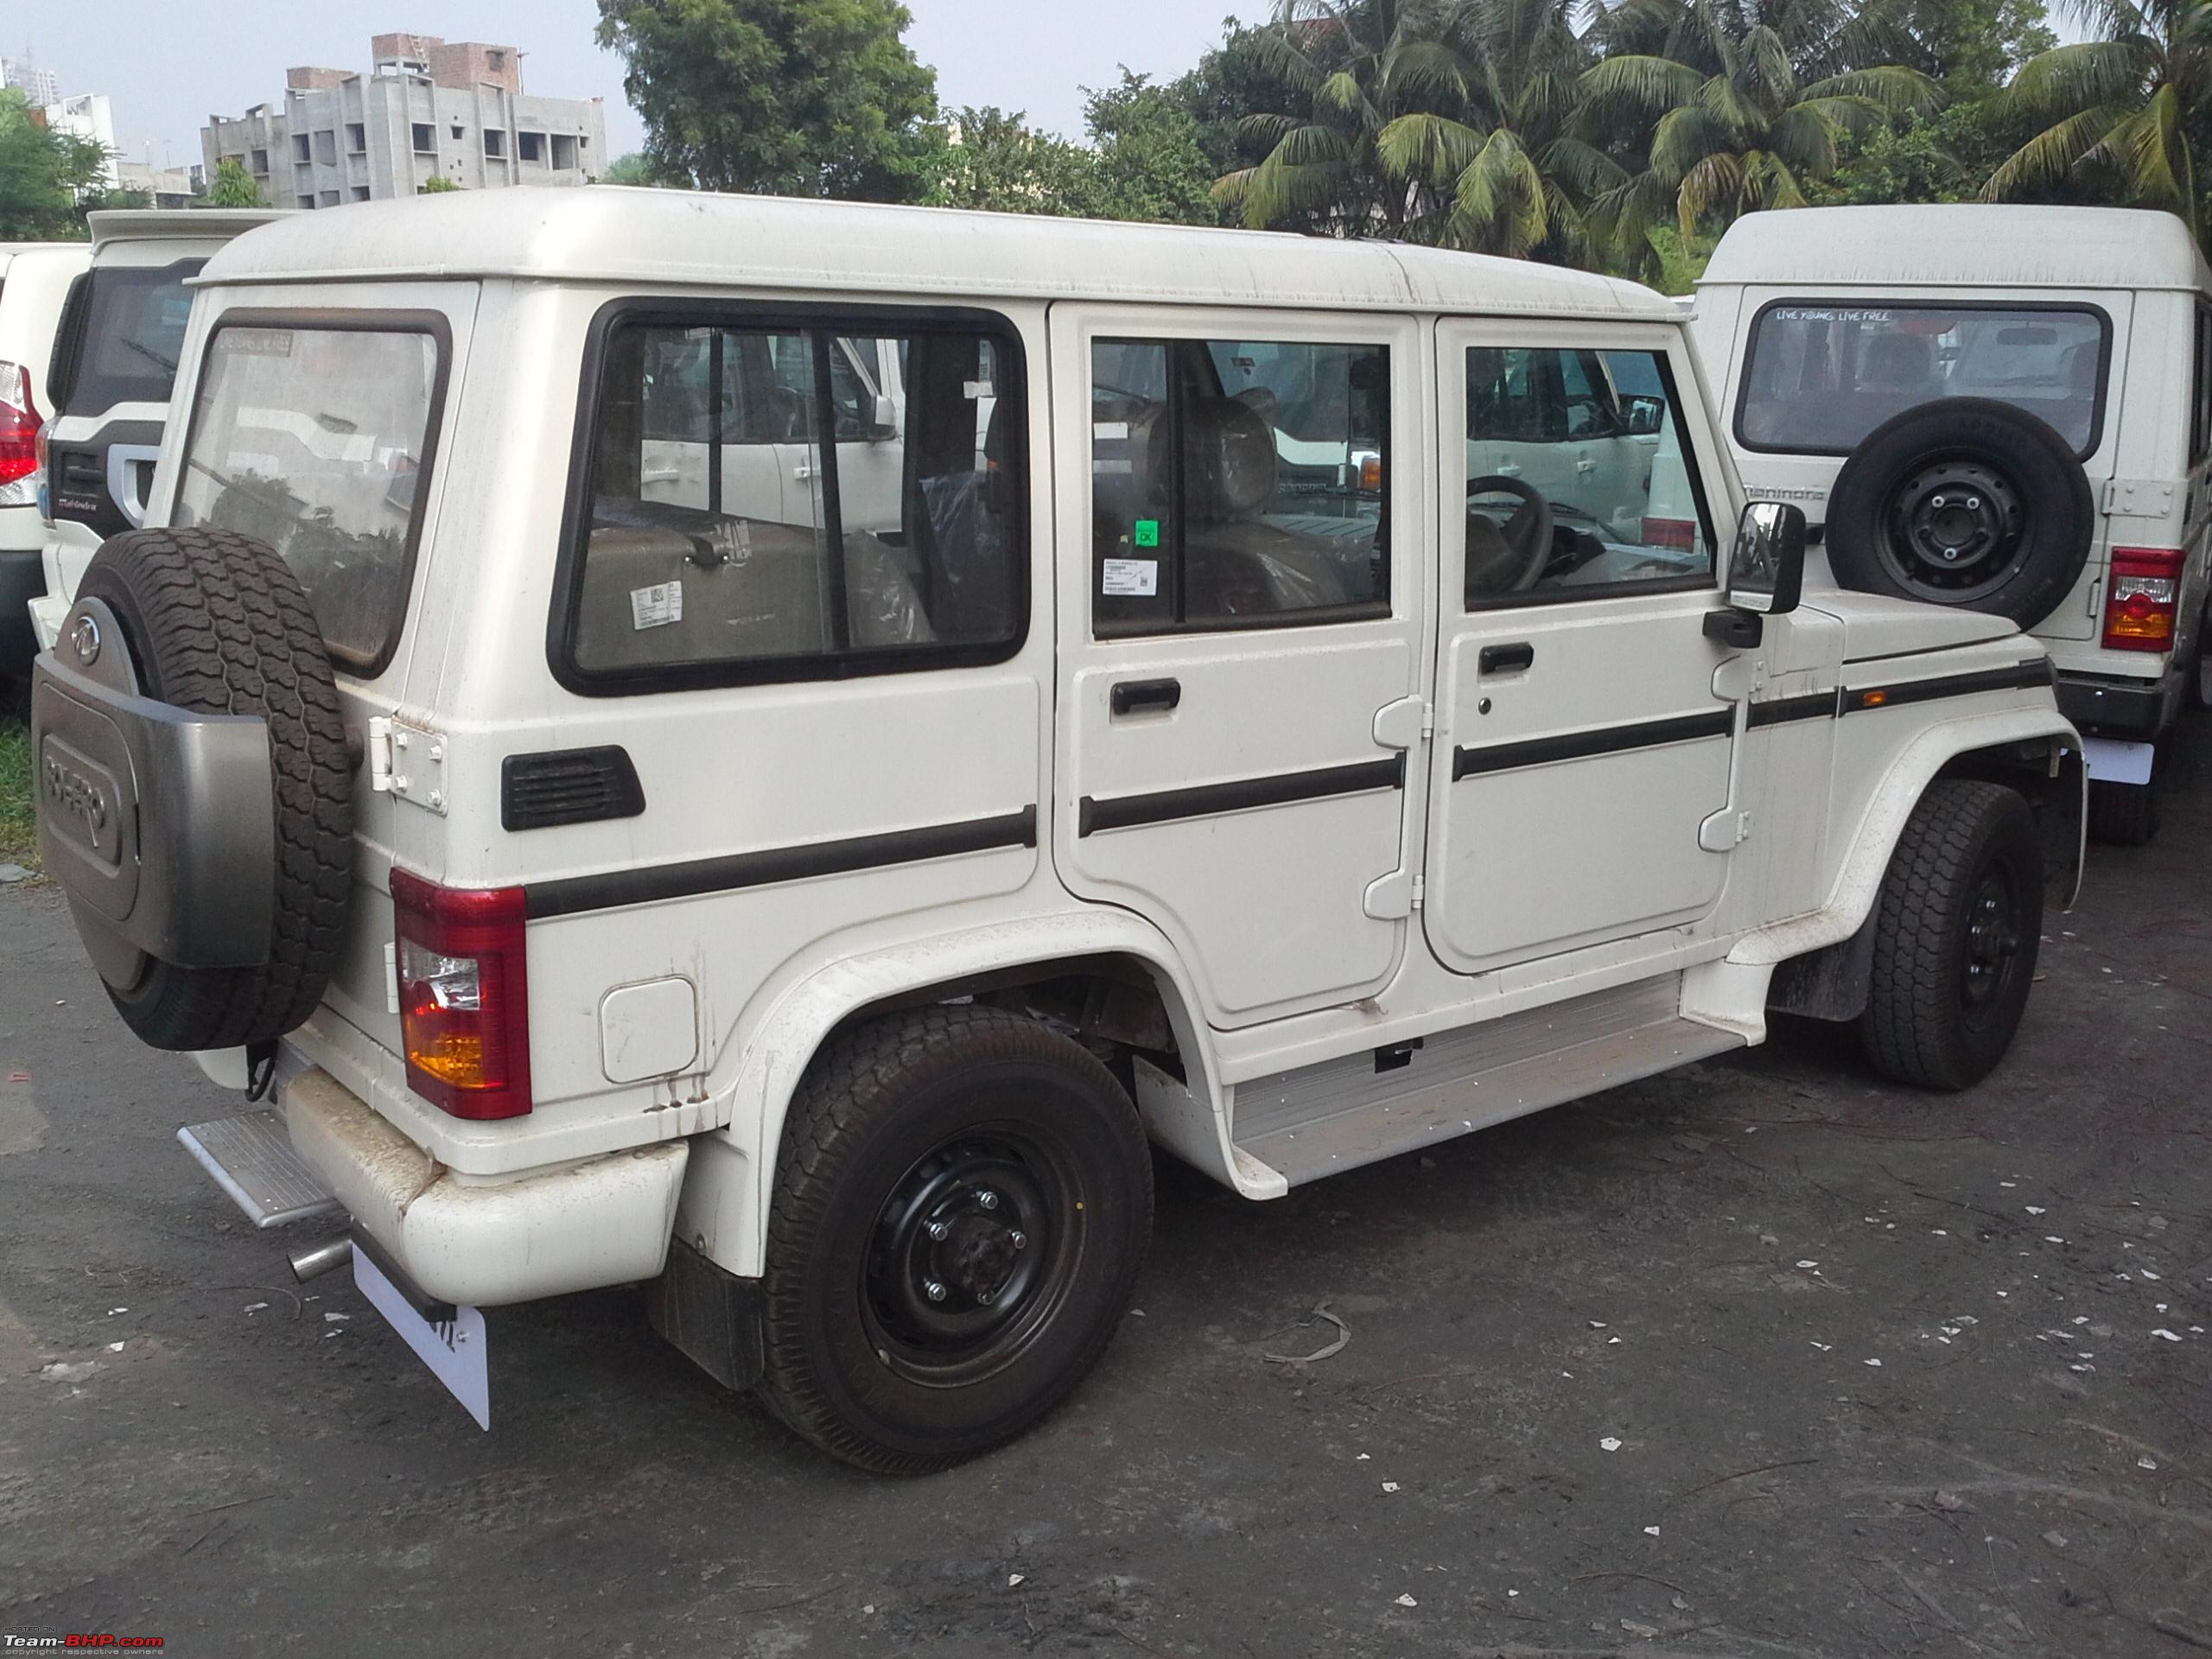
x=962, y=1200
x=1956, y=930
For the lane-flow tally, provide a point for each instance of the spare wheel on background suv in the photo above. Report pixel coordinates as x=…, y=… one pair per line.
x=1964, y=501
x=193, y=786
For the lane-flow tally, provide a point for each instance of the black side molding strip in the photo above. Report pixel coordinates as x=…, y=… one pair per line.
x=1210, y=800
x=1782, y=711
x=2019, y=677
x=577, y=893
x=1577, y=745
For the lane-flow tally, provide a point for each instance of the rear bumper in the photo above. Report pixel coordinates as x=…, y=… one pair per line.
x=22, y=579
x=2139, y=711
x=603, y=1221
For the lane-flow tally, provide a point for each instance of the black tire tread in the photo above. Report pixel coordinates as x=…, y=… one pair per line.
x=219, y=624
x=1911, y=1007
x=856, y=1078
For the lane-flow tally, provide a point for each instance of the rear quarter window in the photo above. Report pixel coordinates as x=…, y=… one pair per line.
x=122, y=337
x=1819, y=375
x=315, y=438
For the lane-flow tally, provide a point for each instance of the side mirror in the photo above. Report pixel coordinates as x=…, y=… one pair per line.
x=1766, y=573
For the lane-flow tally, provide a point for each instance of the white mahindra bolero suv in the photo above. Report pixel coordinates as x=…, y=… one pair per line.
x=766, y=749
x=2002, y=408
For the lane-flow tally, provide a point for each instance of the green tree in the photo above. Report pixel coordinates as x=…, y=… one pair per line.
x=232, y=185
x=437, y=184
x=798, y=97
x=1151, y=158
x=1433, y=121
x=43, y=174
x=2120, y=119
x=992, y=160
x=633, y=169
x=1739, y=111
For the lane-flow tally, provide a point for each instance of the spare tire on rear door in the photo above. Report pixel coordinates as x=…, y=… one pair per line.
x=208, y=869
x=1964, y=501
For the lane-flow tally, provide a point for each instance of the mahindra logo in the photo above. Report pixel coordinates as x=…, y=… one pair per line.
x=73, y=795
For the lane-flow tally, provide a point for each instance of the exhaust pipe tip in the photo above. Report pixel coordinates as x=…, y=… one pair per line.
x=320, y=1259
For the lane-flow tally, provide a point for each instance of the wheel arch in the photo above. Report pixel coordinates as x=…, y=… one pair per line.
x=723, y=1212
x=1823, y=957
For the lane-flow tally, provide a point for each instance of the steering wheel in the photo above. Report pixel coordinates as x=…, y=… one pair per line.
x=1525, y=539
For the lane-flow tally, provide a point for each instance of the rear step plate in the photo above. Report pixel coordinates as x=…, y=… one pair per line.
x=252, y=1159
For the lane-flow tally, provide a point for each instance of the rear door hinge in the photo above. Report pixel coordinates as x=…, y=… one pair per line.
x=407, y=763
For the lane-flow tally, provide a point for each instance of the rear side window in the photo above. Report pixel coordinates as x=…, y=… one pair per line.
x=1820, y=377
x=795, y=500
x=122, y=338
x=1237, y=484
x=316, y=440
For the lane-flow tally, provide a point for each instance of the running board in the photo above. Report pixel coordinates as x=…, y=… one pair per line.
x=252, y=1159
x=1375, y=1105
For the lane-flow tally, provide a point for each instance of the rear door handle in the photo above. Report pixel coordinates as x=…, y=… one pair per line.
x=1506, y=659
x=1147, y=696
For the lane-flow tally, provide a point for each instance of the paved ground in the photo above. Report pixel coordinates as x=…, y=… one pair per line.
x=1888, y=1375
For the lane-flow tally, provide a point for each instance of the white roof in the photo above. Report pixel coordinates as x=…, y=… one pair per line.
x=607, y=234
x=176, y=224
x=1972, y=244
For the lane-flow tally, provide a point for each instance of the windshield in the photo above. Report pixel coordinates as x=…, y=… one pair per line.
x=1821, y=378
x=126, y=336
x=312, y=441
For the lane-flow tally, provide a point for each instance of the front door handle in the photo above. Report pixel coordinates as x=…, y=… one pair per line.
x=1506, y=659
x=1147, y=696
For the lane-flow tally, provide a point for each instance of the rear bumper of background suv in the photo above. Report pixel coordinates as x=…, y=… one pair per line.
x=22, y=579
x=601, y=1221
x=2138, y=711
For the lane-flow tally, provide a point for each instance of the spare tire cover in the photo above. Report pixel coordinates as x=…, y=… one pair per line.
x=1964, y=501
x=217, y=623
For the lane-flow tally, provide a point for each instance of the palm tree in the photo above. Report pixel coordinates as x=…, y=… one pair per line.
x=1439, y=121
x=2118, y=111
x=1745, y=104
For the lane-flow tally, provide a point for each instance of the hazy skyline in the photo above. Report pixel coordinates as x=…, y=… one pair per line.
x=167, y=67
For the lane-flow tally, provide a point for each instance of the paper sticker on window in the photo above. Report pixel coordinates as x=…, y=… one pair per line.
x=1130, y=578
x=658, y=605
x=1147, y=532
x=1110, y=431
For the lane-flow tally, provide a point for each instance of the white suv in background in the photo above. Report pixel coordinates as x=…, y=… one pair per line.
x=34, y=279
x=2001, y=409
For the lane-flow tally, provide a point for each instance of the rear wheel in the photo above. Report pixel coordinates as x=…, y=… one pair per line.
x=962, y=1202
x=2200, y=680
x=1956, y=930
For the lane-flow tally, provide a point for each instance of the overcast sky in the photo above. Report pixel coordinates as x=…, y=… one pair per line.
x=168, y=64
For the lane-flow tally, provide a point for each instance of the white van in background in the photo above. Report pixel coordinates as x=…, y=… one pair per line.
x=34, y=279
x=2005, y=409
x=114, y=363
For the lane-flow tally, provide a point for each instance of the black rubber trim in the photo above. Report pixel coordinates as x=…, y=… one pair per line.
x=2018, y=677
x=1210, y=800
x=1580, y=746
x=575, y=894
x=432, y=1309
x=1782, y=711
x=2139, y=710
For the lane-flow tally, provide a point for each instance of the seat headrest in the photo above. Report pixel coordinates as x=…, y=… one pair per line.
x=1228, y=458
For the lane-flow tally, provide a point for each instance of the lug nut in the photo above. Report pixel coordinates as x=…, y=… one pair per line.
x=983, y=1298
x=934, y=1291
x=1021, y=1241
x=939, y=1231
x=988, y=1198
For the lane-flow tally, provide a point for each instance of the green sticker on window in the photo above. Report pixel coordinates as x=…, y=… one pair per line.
x=1147, y=533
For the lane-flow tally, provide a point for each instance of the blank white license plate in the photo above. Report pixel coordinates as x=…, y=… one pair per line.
x=2113, y=762
x=455, y=1349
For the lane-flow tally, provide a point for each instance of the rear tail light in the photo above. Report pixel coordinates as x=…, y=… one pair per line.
x=19, y=425
x=464, y=996
x=2143, y=601
x=1670, y=532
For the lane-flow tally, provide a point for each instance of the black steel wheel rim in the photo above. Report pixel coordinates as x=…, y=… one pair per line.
x=1955, y=530
x=1993, y=943
x=973, y=1253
